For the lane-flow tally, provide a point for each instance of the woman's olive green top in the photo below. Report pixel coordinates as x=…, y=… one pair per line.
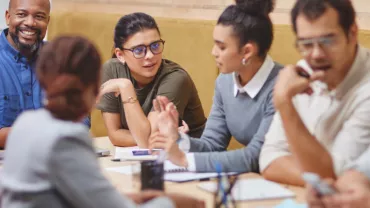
x=171, y=81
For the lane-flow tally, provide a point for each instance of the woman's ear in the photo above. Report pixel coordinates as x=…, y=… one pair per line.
x=119, y=55
x=249, y=50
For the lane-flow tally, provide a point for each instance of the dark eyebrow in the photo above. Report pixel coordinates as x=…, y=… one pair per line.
x=323, y=36
x=42, y=13
x=219, y=42
x=145, y=45
x=21, y=10
x=25, y=11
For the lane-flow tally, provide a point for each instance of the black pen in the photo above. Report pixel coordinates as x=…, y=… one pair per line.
x=116, y=160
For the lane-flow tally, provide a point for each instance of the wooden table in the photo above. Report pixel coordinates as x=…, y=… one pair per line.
x=124, y=182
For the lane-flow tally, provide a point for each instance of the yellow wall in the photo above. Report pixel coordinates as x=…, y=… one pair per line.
x=186, y=26
x=189, y=9
x=188, y=43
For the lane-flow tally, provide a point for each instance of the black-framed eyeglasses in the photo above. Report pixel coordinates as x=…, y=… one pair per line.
x=141, y=50
x=306, y=46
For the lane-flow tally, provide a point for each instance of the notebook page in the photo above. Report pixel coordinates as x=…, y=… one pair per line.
x=253, y=189
x=168, y=167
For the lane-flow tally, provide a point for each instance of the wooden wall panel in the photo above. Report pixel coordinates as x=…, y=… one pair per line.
x=190, y=9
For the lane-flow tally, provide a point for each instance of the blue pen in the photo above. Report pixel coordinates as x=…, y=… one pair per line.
x=220, y=184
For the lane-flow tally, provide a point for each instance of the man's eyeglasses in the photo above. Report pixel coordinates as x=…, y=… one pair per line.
x=306, y=46
x=141, y=50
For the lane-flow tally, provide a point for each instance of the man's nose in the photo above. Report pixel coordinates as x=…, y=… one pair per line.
x=30, y=21
x=317, y=52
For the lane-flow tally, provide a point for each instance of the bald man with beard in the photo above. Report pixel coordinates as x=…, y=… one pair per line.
x=27, y=22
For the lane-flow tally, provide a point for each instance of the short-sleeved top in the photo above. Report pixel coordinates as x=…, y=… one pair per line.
x=171, y=81
x=19, y=88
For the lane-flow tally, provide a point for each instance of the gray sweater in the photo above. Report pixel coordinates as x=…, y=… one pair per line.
x=51, y=163
x=242, y=117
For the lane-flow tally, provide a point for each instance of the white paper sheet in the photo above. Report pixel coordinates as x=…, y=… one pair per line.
x=253, y=189
x=125, y=153
x=187, y=176
x=168, y=167
x=123, y=169
x=179, y=174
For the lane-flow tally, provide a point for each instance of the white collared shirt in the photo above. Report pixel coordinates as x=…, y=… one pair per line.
x=340, y=120
x=253, y=87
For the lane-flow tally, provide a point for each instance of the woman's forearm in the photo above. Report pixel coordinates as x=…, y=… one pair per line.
x=122, y=138
x=137, y=121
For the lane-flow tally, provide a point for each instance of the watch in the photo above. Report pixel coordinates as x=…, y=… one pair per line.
x=130, y=100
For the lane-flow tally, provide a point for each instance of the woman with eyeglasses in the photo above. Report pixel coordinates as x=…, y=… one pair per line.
x=50, y=161
x=135, y=76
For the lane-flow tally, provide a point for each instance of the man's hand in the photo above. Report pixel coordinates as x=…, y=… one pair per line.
x=353, y=191
x=313, y=198
x=289, y=83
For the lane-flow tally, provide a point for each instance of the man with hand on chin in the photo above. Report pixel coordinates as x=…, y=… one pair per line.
x=324, y=130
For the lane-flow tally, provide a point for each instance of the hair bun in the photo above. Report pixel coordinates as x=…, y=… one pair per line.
x=65, y=97
x=258, y=7
x=63, y=84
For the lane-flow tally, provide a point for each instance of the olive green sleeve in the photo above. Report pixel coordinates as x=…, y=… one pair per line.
x=177, y=87
x=109, y=102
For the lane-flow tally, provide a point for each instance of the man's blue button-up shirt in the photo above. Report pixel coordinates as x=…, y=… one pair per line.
x=19, y=88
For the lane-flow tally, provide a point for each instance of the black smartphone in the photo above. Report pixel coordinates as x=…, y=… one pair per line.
x=301, y=72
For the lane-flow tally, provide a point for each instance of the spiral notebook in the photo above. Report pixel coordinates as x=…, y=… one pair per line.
x=181, y=174
x=253, y=189
x=172, y=173
x=169, y=167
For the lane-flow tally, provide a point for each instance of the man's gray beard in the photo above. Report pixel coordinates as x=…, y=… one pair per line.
x=29, y=48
